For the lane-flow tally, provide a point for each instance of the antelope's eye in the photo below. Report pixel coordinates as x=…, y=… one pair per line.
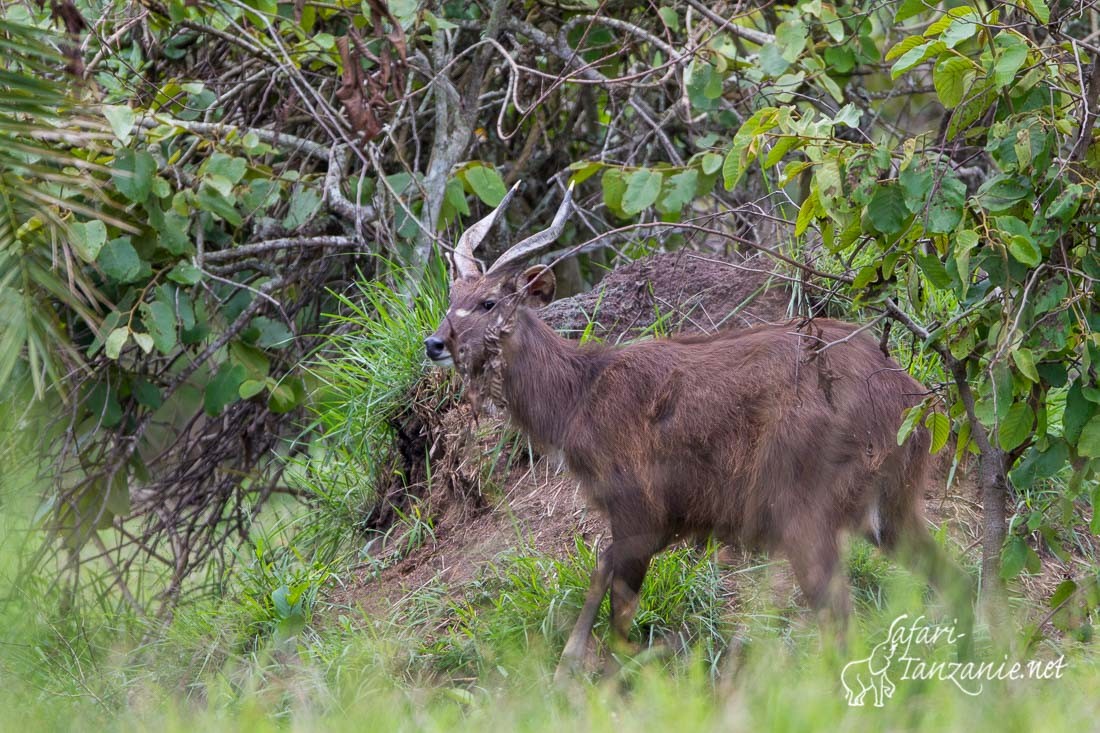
x=488, y=304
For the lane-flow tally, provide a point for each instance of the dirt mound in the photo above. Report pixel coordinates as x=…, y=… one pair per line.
x=687, y=290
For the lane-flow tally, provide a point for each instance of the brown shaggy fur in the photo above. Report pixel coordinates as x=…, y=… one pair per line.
x=777, y=438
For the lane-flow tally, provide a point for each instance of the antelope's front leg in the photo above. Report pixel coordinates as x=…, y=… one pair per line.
x=572, y=659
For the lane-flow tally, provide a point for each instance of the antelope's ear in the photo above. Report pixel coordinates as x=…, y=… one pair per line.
x=537, y=285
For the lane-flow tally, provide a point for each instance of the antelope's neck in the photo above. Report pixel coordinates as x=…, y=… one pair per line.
x=544, y=379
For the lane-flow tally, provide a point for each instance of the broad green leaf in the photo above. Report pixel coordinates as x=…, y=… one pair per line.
x=887, y=210
x=1013, y=53
x=1078, y=412
x=1039, y=9
x=972, y=108
x=251, y=387
x=116, y=340
x=1014, y=557
x=642, y=188
x=912, y=418
x=119, y=260
x=1002, y=192
x=1024, y=250
x=144, y=340
x=147, y=394
x=228, y=167
x=486, y=184
x=185, y=274
x=934, y=271
x=160, y=322
x=915, y=184
x=679, y=191
x=946, y=208
x=1016, y=425
x=304, y=204
x=121, y=119
x=613, y=189
x=211, y=200
x=951, y=77
x=88, y=238
x=273, y=334
x=133, y=174
x=1025, y=362
x=223, y=388
x=455, y=196
x=1088, y=445
x=805, y=214
x=939, y=425
x=711, y=163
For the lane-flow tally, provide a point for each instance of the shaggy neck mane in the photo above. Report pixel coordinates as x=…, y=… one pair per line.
x=545, y=378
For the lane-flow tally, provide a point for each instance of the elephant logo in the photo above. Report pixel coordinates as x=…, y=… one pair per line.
x=869, y=675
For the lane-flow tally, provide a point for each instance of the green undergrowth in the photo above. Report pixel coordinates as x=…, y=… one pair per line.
x=277, y=652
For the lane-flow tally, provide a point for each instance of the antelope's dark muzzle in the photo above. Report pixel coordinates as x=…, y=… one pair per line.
x=435, y=348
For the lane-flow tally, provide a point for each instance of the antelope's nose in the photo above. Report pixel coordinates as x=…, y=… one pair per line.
x=435, y=347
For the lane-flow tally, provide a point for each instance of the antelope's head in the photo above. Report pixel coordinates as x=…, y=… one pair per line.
x=484, y=304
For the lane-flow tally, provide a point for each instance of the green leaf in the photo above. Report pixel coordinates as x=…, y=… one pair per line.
x=939, y=425
x=185, y=274
x=613, y=189
x=211, y=200
x=1088, y=445
x=456, y=197
x=486, y=184
x=1013, y=54
x=909, y=8
x=915, y=184
x=251, y=387
x=971, y=110
x=1025, y=362
x=950, y=78
x=680, y=190
x=116, y=340
x=304, y=203
x=226, y=166
x=1016, y=425
x=960, y=30
x=1078, y=412
x=133, y=174
x=223, y=388
x=273, y=334
x=1024, y=250
x=642, y=189
x=103, y=405
x=887, y=210
x=147, y=394
x=909, y=423
x=1002, y=192
x=1039, y=9
x=711, y=163
x=946, y=208
x=88, y=238
x=1014, y=557
x=144, y=340
x=160, y=322
x=254, y=361
x=934, y=271
x=806, y=214
x=119, y=260
x=121, y=119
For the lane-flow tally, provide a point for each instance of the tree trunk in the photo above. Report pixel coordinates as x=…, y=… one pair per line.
x=992, y=487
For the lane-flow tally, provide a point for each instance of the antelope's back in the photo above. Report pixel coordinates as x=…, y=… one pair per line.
x=745, y=427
